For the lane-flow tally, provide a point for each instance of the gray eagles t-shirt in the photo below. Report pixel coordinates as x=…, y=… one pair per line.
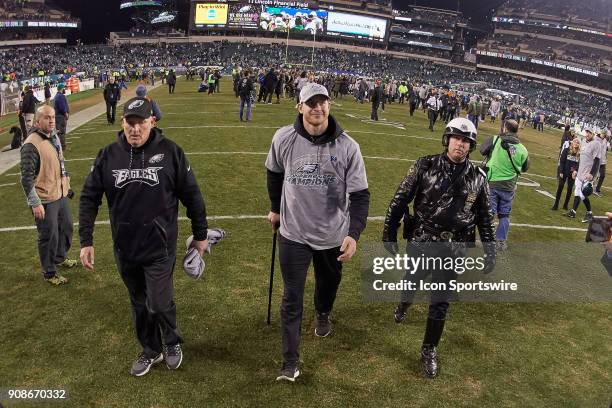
x=318, y=180
x=589, y=151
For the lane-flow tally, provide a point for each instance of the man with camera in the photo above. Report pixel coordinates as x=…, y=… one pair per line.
x=46, y=184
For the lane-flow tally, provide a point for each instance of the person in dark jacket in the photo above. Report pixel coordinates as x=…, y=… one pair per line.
x=112, y=94
x=141, y=91
x=567, y=137
x=606, y=259
x=28, y=108
x=566, y=172
x=269, y=84
x=377, y=95
x=62, y=111
x=171, y=79
x=278, y=88
x=451, y=199
x=144, y=176
x=245, y=90
x=47, y=91
x=413, y=99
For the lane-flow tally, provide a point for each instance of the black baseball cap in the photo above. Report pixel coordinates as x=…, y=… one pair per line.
x=140, y=107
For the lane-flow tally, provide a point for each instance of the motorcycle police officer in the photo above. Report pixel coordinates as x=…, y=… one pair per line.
x=451, y=199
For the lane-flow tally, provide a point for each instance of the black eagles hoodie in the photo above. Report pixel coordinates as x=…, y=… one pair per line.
x=142, y=186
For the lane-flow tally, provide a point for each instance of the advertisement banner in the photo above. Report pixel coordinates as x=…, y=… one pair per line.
x=244, y=16
x=356, y=26
x=210, y=15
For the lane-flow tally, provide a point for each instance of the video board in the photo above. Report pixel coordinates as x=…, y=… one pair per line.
x=356, y=26
x=276, y=18
x=209, y=15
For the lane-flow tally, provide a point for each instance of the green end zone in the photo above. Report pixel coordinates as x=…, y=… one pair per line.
x=79, y=337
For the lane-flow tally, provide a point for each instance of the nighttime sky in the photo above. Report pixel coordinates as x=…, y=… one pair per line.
x=99, y=17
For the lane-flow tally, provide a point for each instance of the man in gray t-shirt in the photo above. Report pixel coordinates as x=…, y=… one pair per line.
x=319, y=198
x=590, y=153
x=603, y=141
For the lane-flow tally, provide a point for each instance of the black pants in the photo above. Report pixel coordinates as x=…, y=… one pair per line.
x=570, y=189
x=439, y=299
x=433, y=116
x=54, y=236
x=262, y=94
x=111, y=110
x=60, y=126
x=412, y=108
x=268, y=95
x=374, y=114
x=295, y=258
x=151, y=291
x=171, y=88
x=601, y=177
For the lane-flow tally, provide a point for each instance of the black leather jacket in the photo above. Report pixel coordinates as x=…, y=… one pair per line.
x=453, y=214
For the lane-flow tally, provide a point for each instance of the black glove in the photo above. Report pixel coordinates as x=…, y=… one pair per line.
x=391, y=247
x=70, y=193
x=489, y=264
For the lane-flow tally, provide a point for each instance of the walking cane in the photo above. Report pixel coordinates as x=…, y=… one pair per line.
x=271, y=276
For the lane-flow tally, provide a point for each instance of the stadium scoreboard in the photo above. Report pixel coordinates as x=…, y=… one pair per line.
x=295, y=17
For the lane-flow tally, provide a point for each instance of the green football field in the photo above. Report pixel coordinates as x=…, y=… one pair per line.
x=80, y=338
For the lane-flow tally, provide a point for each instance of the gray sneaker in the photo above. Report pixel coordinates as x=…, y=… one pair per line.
x=143, y=364
x=174, y=356
x=289, y=372
x=587, y=217
x=323, y=328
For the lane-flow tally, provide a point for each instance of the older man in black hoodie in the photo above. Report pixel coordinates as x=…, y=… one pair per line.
x=143, y=176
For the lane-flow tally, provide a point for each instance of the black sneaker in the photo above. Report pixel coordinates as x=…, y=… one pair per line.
x=143, y=364
x=588, y=217
x=571, y=213
x=323, y=328
x=399, y=315
x=289, y=372
x=429, y=359
x=554, y=207
x=174, y=356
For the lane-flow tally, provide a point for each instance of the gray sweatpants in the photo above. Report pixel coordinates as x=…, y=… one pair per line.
x=54, y=236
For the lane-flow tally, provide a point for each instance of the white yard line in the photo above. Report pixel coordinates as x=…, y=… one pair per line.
x=264, y=217
x=7, y=184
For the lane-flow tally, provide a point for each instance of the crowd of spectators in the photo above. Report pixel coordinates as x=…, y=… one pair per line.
x=27, y=10
x=569, y=11
x=26, y=62
x=549, y=50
